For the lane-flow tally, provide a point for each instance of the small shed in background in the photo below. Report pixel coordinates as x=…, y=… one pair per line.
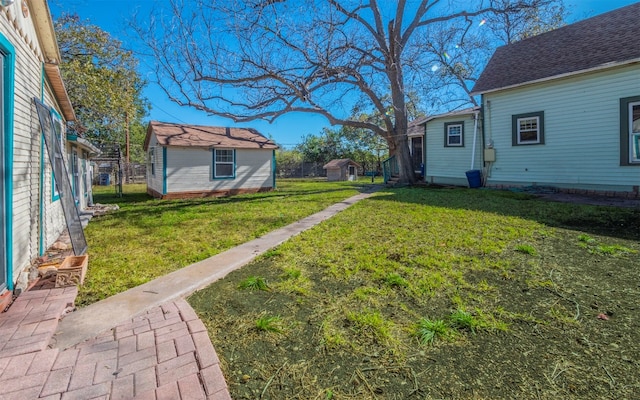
x=341, y=170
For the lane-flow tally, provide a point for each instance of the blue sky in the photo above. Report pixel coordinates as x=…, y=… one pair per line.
x=112, y=17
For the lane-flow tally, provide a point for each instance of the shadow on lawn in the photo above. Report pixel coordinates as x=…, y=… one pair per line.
x=623, y=223
x=138, y=203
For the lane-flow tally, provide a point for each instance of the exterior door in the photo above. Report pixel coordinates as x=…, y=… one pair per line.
x=3, y=177
x=417, y=154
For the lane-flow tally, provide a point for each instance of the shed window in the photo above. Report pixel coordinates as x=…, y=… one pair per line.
x=152, y=160
x=454, y=134
x=630, y=131
x=224, y=163
x=528, y=128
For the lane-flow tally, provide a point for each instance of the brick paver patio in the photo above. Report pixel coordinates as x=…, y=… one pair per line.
x=164, y=353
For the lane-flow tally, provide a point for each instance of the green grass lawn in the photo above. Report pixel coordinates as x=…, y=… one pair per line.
x=437, y=293
x=148, y=238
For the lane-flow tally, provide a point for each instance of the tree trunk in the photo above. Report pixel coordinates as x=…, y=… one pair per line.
x=399, y=146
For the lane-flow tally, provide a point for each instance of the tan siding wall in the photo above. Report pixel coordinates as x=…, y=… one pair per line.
x=27, y=143
x=190, y=170
x=582, y=132
x=447, y=165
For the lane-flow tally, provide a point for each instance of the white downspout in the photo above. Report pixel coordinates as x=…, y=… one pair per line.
x=475, y=138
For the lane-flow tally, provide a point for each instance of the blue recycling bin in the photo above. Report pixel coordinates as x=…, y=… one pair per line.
x=474, y=177
x=105, y=179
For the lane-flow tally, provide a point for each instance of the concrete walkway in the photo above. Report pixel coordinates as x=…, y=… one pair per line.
x=145, y=343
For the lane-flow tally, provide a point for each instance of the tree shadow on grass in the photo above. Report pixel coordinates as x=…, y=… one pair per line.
x=623, y=223
x=138, y=204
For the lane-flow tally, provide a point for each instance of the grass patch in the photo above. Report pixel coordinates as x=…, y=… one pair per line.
x=526, y=249
x=372, y=325
x=612, y=250
x=615, y=250
x=395, y=280
x=268, y=323
x=462, y=319
x=370, y=276
x=148, y=238
x=427, y=330
x=254, y=283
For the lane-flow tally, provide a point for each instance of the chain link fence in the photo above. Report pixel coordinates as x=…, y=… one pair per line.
x=300, y=170
x=309, y=169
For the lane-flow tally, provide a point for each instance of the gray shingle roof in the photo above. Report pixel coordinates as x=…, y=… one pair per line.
x=606, y=39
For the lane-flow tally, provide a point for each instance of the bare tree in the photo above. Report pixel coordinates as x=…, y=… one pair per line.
x=459, y=54
x=260, y=59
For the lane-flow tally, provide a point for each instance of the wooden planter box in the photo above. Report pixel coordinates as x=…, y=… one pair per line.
x=72, y=271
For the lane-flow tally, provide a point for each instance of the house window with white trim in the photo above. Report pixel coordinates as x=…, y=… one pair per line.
x=454, y=134
x=224, y=163
x=528, y=128
x=634, y=132
x=630, y=131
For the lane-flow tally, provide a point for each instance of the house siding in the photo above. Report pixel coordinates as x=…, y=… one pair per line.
x=581, y=132
x=154, y=181
x=190, y=169
x=447, y=165
x=36, y=221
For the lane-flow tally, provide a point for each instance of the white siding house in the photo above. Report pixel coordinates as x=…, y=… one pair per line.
x=197, y=161
x=565, y=117
x=32, y=216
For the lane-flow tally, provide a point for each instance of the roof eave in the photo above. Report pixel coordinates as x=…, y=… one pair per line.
x=470, y=110
x=44, y=28
x=86, y=145
x=52, y=71
x=560, y=76
x=51, y=52
x=147, y=138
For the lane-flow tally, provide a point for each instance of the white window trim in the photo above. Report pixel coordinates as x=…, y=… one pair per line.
x=449, y=135
x=152, y=160
x=216, y=163
x=633, y=136
x=537, y=130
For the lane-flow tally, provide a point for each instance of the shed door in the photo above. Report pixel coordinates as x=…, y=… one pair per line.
x=3, y=214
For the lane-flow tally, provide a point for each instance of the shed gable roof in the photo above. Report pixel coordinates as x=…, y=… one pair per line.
x=339, y=163
x=169, y=134
x=605, y=40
